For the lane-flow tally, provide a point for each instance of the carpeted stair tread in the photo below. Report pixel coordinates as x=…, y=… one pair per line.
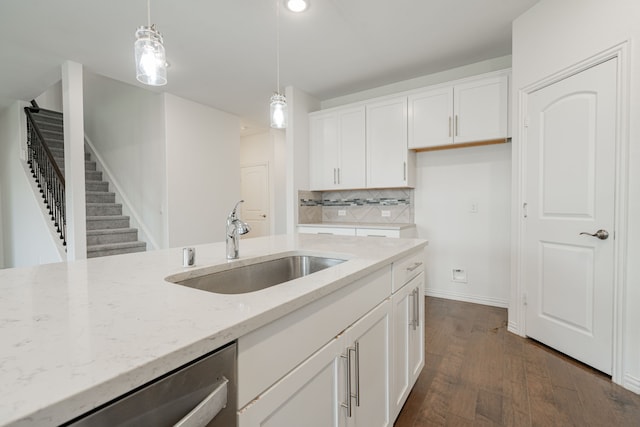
x=100, y=197
x=111, y=231
x=115, y=249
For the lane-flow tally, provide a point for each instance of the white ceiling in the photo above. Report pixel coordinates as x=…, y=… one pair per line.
x=222, y=53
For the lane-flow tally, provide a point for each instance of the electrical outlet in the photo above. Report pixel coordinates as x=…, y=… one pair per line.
x=473, y=207
x=459, y=275
x=386, y=213
x=342, y=212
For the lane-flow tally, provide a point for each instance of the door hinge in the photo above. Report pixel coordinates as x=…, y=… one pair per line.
x=524, y=298
x=526, y=122
x=524, y=210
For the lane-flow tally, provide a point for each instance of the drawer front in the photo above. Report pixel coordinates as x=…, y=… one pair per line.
x=407, y=268
x=377, y=232
x=337, y=231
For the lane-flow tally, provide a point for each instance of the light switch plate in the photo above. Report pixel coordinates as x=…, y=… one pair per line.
x=386, y=213
x=342, y=212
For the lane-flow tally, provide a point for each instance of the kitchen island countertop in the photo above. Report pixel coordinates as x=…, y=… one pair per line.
x=75, y=335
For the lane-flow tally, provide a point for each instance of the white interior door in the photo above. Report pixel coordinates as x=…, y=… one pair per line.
x=569, y=189
x=254, y=186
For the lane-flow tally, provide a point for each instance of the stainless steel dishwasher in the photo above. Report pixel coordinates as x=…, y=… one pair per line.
x=201, y=393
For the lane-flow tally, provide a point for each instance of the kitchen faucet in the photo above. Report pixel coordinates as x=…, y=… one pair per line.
x=235, y=227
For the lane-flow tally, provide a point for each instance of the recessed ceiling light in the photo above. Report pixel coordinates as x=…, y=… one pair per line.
x=297, y=5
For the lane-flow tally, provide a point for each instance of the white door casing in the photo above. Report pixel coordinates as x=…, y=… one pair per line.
x=569, y=188
x=254, y=187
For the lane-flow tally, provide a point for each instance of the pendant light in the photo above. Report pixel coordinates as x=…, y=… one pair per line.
x=278, y=107
x=151, y=61
x=297, y=5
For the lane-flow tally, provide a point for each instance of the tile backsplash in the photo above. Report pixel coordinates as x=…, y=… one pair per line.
x=358, y=206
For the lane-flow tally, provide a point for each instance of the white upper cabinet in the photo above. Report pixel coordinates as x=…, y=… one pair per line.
x=472, y=110
x=431, y=118
x=337, y=149
x=388, y=160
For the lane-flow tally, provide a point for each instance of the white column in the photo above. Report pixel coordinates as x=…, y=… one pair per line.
x=72, y=106
x=300, y=104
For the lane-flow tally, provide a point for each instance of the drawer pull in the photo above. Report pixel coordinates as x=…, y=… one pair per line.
x=414, y=266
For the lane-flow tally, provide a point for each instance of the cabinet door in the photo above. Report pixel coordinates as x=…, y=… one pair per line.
x=352, y=148
x=323, y=151
x=481, y=110
x=416, y=334
x=400, y=384
x=431, y=118
x=387, y=151
x=408, y=341
x=370, y=368
x=310, y=395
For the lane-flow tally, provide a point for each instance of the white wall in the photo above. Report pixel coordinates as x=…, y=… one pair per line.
x=125, y=124
x=26, y=232
x=51, y=99
x=203, y=170
x=280, y=182
x=554, y=35
x=448, y=183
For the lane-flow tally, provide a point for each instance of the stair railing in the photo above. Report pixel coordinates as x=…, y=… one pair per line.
x=46, y=172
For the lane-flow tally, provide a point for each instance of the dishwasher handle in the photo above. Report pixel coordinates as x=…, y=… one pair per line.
x=207, y=410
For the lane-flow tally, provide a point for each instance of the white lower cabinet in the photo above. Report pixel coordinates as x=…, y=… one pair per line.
x=408, y=340
x=310, y=395
x=346, y=383
x=348, y=359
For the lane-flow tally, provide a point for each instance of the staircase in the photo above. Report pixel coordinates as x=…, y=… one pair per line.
x=108, y=231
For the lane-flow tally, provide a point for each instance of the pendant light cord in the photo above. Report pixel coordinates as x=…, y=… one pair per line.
x=149, y=13
x=277, y=47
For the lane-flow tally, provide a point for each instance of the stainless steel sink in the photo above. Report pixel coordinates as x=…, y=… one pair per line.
x=253, y=277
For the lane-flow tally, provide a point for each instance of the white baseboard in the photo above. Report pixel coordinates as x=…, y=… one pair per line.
x=631, y=383
x=494, y=302
x=513, y=328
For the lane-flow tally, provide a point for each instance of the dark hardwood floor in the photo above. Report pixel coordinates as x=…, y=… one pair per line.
x=478, y=374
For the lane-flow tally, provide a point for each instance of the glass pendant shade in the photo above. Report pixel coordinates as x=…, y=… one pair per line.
x=297, y=5
x=278, y=111
x=151, y=62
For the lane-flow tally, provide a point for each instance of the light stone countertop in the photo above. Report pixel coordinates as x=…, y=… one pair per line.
x=75, y=335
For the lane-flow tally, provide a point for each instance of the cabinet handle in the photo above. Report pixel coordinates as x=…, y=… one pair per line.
x=334, y=176
x=357, y=373
x=207, y=410
x=456, y=125
x=338, y=175
x=414, y=266
x=405, y=171
x=328, y=234
x=449, y=126
x=348, y=383
x=416, y=311
x=412, y=320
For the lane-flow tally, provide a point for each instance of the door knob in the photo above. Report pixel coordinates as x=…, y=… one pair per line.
x=600, y=234
x=263, y=215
